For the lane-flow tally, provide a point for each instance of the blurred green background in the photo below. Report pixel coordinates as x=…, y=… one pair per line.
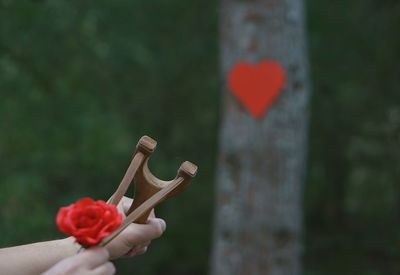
x=82, y=81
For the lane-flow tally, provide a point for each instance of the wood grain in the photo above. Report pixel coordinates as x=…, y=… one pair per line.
x=149, y=190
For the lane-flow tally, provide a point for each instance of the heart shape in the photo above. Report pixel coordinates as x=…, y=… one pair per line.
x=256, y=85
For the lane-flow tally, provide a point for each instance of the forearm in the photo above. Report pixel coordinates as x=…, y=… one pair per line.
x=35, y=258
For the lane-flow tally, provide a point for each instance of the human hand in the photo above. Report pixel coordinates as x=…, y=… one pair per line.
x=93, y=261
x=135, y=239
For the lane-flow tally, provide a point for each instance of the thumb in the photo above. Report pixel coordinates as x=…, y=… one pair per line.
x=161, y=222
x=136, y=234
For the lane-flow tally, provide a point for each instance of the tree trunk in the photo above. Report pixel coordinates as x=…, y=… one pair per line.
x=258, y=218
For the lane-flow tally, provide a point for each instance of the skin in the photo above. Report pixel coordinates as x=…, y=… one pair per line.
x=93, y=261
x=36, y=258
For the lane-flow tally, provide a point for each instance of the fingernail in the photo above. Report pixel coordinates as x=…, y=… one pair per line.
x=163, y=224
x=126, y=205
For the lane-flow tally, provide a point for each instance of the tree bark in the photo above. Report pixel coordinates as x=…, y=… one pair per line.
x=258, y=217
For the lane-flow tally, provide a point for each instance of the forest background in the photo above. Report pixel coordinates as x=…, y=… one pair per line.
x=82, y=81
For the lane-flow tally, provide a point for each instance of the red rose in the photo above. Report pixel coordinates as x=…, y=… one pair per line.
x=88, y=221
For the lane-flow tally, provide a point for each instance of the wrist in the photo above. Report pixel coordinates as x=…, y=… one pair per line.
x=69, y=246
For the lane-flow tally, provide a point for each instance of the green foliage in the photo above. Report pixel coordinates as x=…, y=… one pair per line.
x=353, y=192
x=81, y=81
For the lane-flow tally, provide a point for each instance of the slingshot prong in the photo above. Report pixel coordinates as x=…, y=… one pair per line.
x=146, y=184
x=146, y=145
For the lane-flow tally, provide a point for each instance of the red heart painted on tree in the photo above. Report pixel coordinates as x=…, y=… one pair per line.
x=256, y=85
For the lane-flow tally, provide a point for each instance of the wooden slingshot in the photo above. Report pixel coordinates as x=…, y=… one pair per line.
x=149, y=190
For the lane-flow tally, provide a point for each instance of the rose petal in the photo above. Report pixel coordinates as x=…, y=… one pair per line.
x=88, y=221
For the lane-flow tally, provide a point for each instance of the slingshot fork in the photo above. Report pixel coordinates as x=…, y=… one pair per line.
x=149, y=190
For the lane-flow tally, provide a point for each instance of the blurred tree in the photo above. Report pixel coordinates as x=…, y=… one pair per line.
x=258, y=221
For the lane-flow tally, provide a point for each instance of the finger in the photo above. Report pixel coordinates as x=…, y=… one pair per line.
x=162, y=223
x=141, y=251
x=93, y=257
x=105, y=269
x=132, y=252
x=145, y=244
x=136, y=234
x=137, y=251
x=126, y=203
x=152, y=214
